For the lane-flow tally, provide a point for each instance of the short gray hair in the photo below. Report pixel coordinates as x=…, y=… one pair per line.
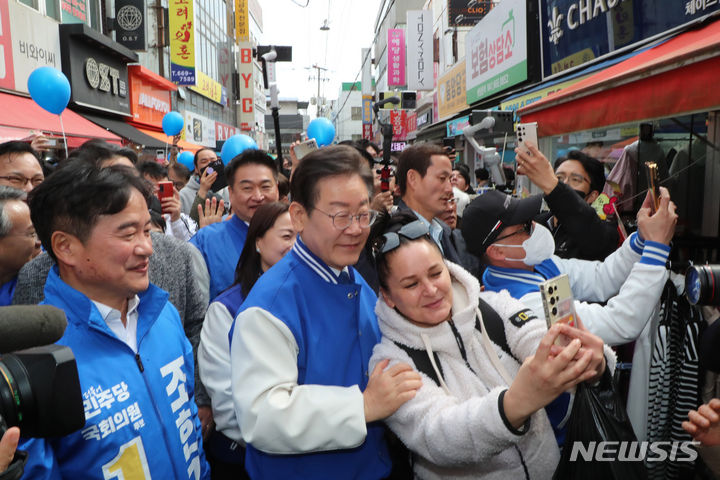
x=8, y=194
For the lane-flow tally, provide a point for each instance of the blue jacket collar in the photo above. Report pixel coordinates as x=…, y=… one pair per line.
x=81, y=311
x=303, y=253
x=238, y=224
x=516, y=281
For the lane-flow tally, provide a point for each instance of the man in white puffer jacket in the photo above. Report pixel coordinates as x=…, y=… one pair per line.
x=461, y=428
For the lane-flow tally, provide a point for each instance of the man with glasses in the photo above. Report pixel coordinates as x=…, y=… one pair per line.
x=519, y=254
x=307, y=405
x=18, y=241
x=20, y=166
x=576, y=183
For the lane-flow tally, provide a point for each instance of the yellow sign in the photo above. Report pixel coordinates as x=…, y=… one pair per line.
x=577, y=58
x=451, y=91
x=207, y=87
x=242, y=21
x=182, y=42
x=525, y=100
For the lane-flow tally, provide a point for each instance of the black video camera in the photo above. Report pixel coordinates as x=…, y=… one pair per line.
x=39, y=387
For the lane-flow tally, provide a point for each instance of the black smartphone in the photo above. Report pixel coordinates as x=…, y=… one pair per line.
x=220, y=181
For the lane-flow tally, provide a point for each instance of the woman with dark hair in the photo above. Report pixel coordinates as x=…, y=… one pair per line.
x=270, y=236
x=480, y=409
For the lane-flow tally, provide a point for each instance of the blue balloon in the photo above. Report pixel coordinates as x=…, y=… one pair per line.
x=322, y=130
x=186, y=158
x=172, y=124
x=236, y=145
x=50, y=89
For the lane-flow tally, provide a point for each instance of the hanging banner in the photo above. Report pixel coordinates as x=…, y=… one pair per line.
x=367, y=131
x=419, y=50
x=366, y=79
x=367, y=109
x=130, y=23
x=246, y=110
x=182, y=42
x=451, y=91
x=496, y=51
x=398, y=120
x=242, y=21
x=207, y=87
x=396, y=57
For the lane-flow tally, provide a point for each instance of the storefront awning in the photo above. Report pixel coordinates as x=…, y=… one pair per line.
x=673, y=78
x=23, y=113
x=164, y=138
x=126, y=131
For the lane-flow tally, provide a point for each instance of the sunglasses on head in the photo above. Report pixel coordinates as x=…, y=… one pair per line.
x=391, y=240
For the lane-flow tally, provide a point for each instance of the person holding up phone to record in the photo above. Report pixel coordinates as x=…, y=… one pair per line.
x=519, y=256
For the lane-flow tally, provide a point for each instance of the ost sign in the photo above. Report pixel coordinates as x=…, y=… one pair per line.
x=104, y=78
x=496, y=51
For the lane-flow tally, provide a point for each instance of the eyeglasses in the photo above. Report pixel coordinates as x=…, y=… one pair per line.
x=452, y=200
x=526, y=228
x=575, y=179
x=343, y=220
x=18, y=181
x=391, y=240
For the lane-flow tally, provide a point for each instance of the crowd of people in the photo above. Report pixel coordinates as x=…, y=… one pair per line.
x=311, y=320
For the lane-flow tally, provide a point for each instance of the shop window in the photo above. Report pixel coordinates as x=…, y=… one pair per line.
x=52, y=9
x=356, y=113
x=30, y=3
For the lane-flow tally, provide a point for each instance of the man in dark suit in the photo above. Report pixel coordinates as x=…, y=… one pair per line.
x=423, y=176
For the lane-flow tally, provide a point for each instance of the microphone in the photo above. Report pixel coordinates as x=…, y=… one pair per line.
x=393, y=100
x=25, y=326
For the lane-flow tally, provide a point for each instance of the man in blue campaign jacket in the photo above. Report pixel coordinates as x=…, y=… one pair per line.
x=252, y=181
x=306, y=403
x=134, y=362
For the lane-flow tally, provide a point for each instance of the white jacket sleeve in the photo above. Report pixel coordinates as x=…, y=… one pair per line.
x=214, y=365
x=598, y=281
x=277, y=415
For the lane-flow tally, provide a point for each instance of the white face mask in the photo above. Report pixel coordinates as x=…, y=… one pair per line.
x=538, y=247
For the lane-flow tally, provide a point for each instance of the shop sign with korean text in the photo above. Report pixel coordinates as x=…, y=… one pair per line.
x=398, y=120
x=148, y=101
x=396, y=57
x=182, y=42
x=130, y=23
x=73, y=11
x=242, y=21
x=367, y=109
x=419, y=50
x=207, y=87
x=451, y=91
x=496, y=51
x=455, y=127
x=574, y=32
x=28, y=40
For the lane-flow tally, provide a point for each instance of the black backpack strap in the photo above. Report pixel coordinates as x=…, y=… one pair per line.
x=421, y=359
x=494, y=325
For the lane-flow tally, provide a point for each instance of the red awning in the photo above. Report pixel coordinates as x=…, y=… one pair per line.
x=24, y=115
x=673, y=78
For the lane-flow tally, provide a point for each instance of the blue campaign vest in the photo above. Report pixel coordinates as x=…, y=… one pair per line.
x=335, y=328
x=152, y=410
x=221, y=244
x=7, y=290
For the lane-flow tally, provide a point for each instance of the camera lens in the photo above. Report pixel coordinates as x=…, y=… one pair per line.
x=554, y=310
x=702, y=284
x=552, y=300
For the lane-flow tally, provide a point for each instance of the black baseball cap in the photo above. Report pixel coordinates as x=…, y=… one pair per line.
x=488, y=214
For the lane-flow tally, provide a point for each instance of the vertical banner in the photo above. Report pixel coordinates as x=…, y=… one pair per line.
x=182, y=42
x=367, y=131
x=247, y=89
x=396, y=57
x=242, y=21
x=130, y=23
x=367, y=109
x=366, y=79
x=419, y=50
x=398, y=120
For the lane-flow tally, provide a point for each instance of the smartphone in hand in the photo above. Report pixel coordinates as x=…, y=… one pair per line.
x=653, y=185
x=165, y=190
x=304, y=148
x=558, y=301
x=525, y=132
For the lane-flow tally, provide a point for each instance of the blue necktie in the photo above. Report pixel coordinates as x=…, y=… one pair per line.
x=344, y=278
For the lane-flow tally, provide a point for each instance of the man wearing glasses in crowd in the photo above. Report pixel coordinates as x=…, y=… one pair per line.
x=307, y=405
x=569, y=191
x=20, y=166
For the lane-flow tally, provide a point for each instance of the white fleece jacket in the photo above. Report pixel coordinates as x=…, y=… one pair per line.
x=461, y=435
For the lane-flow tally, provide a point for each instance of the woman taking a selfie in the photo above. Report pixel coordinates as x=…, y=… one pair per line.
x=480, y=411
